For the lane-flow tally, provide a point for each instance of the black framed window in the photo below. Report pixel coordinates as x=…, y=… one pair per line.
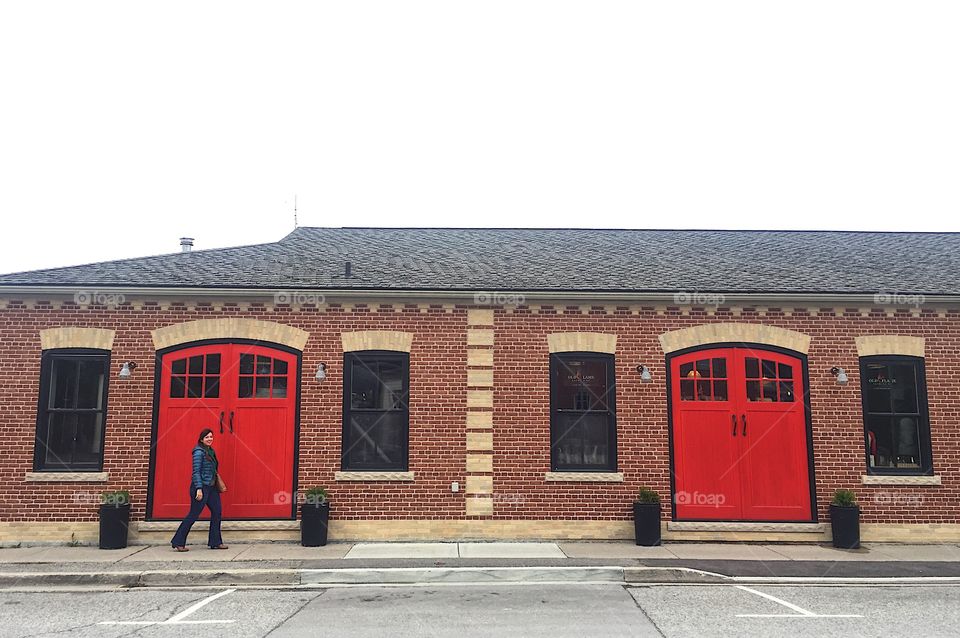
x=375, y=413
x=583, y=424
x=896, y=421
x=72, y=410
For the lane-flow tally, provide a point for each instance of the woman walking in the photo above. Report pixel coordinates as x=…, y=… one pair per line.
x=204, y=491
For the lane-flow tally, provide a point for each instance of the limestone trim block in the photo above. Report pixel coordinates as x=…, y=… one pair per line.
x=479, y=398
x=589, y=477
x=876, y=479
x=480, y=357
x=171, y=526
x=582, y=342
x=479, y=507
x=66, y=477
x=479, y=378
x=74, y=337
x=392, y=340
x=480, y=317
x=734, y=333
x=477, y=463
x=869, y=345
x=477, y=337
x=374, y=476
x=479, y=485
x=479, y=420
x=479, y=441
x=229, y=328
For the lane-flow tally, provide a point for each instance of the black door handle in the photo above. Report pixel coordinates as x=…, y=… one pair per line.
x=733, y=418
x=231, y=422
x=221, y=421
x=743, y=417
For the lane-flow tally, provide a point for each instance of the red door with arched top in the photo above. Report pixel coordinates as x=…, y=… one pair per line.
x=247, y=395
x=739, y=436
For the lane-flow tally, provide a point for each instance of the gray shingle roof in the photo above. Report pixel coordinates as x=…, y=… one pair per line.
x=548, y=259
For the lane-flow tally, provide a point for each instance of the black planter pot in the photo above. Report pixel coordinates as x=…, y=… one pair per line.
x=646, y=523
x=313, y=524
x=845, y=525
x=114, y=523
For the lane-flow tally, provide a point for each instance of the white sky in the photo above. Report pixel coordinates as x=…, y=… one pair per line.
x=125, y=125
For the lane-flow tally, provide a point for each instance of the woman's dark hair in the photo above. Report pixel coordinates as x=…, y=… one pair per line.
x=204, y=432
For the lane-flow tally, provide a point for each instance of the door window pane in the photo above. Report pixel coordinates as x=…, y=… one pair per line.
x=696, y=376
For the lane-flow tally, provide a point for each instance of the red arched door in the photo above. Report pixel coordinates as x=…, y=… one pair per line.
x=247, y=395
x=739, y=436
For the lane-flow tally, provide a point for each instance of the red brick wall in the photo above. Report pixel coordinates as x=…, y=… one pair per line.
x=437, y=408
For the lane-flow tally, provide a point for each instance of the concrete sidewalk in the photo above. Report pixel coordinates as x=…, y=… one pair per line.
x=346, y=564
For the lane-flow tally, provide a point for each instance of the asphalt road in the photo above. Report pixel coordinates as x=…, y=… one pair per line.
x=489, y=610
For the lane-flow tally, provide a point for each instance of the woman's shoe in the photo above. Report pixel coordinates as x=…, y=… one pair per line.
x=181, y=548
x=220, y=546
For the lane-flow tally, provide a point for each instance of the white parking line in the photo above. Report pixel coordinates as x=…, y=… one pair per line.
x=801, y=612
x=179, y=618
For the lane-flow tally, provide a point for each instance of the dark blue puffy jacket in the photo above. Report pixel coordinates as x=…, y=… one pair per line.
x=204, y=468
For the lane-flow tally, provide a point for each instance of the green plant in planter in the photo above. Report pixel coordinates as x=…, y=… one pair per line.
x=646, y=495
x=315, y=496
x=844, y=498
x=115, y=498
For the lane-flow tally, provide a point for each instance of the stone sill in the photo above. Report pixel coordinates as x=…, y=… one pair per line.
x=879, y=479
x=721, y=526
x=374, y=476
x=587, y=477
x=66, y=477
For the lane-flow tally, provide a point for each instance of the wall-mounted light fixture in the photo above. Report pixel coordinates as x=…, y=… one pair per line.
x=840, y=375
x=126, y=369
x=645, y=376
x=321, y=372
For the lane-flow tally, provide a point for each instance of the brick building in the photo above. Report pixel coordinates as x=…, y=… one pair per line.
x=478, y=383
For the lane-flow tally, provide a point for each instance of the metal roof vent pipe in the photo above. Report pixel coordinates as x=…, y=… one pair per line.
x=347, y=270
x=186, y=244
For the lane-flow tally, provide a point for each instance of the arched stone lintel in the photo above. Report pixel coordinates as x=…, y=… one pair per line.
x=377, y=340
x=582, y=342
x=74, y=337
x=229, y=328
x=734, y=333
x=890, y=344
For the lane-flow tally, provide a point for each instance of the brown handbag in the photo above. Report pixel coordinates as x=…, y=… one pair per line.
x=221, y=486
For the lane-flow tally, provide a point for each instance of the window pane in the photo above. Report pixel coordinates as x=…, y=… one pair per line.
x=211, y=387
x=703, y=390
x=179, y=366
x=178, y=387
x=375, y=440
x=246, y=387
x=196, y=364
x=263, y=364
x=89, y=435
x=786, y=391
x=280, y=387
x=581, y=440
x=719, y=390
x=785, y=371
x=719, y=368
x=246, y=364
x=377, y=385
x=880, y=441
x=686, y=390
x=753, y=368
x=903, y=389
x=213, y=364
x=63, y=388
x=769, y=390
x=263, y=388
x=90, y=392
x=58, y=447
x=686, y=370
x=195, y=387
x=703, y=368
x=580, y=384
x=753, y=390
x=279, y=366
x=877, y=382
x=769, y=369
x=906, y=442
